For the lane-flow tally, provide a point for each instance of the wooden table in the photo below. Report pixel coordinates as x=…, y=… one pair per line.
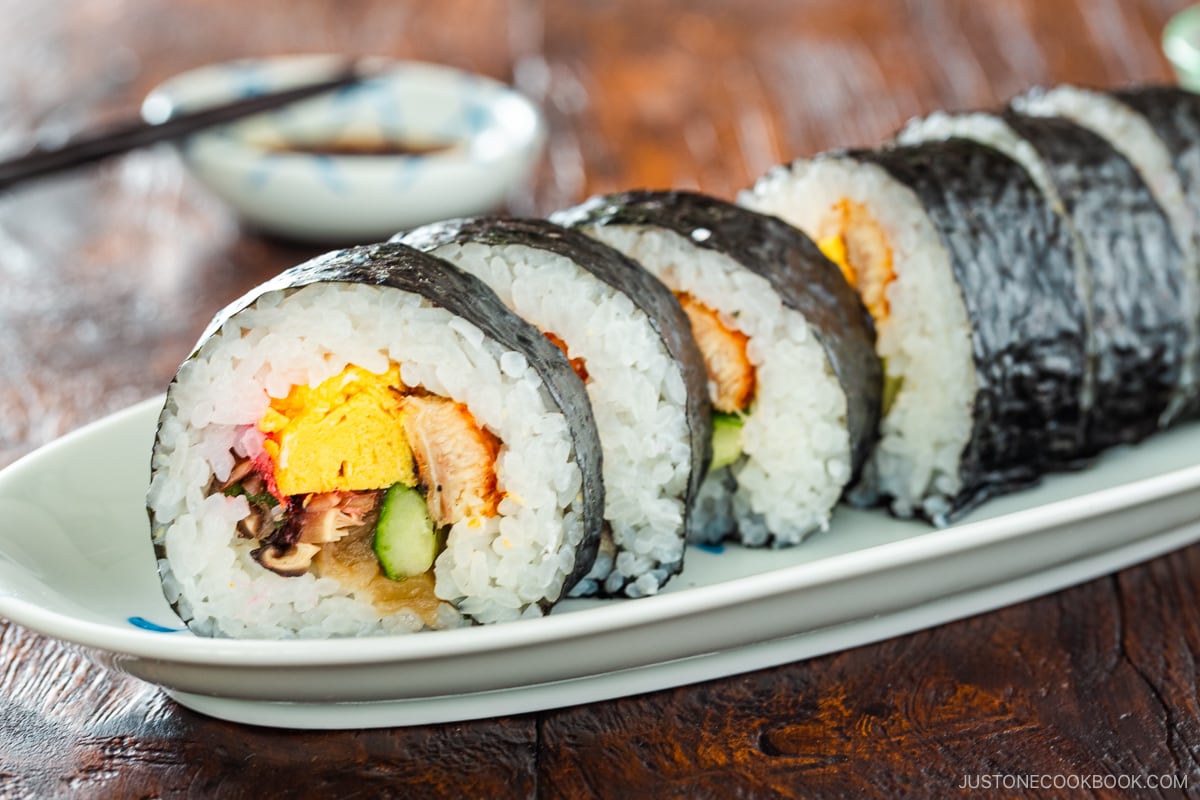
x=108, y=275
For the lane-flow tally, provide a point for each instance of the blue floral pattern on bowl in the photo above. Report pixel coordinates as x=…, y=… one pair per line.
x=146, y=625
x=490, y=138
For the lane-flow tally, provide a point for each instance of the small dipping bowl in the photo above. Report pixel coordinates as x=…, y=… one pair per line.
x=414, y=143
x=1181, y=43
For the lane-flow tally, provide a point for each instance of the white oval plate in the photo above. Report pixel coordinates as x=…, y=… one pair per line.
x=76, y=564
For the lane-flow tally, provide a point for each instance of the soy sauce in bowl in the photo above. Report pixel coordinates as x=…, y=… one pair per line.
x=362, y=147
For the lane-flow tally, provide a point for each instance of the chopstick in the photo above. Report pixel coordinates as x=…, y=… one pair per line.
x=138, y=134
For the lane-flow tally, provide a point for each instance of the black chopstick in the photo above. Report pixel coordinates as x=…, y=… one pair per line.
x=137, y=134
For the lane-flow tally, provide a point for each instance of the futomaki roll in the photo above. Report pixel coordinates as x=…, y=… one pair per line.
x=627, y=338
x=788, y=350
x=372, y=443
x=1139, y=167
x=1165, y=144
x=1153, y=127
x=1134, y=277
x=969, y=275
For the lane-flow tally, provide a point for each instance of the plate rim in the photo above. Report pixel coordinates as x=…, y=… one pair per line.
x=186, y=648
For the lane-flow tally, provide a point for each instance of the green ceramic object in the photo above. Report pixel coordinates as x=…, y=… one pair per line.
x=1181, y=43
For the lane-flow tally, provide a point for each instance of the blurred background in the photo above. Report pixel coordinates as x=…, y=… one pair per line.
x=637, y=93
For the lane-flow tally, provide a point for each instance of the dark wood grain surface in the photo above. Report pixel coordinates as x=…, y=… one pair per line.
x=107, y=276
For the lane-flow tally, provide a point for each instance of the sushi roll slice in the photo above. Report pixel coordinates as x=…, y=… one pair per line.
x=1133, y=277
x=372, y=443
x=969, y=275
x=1149, y=126
x=1153, y=129
x=1172, y=144
x=788, y=349
x=627, y=338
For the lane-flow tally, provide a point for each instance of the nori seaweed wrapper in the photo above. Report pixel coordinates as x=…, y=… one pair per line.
x=1174, y=114
x=465, y=296
x=1011, y=258
x=1139, y=277
x=796, y=269
x=645, y=291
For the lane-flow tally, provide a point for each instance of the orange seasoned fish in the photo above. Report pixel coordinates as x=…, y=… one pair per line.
x=851, y=238
x=456, y=458
x=730, y=373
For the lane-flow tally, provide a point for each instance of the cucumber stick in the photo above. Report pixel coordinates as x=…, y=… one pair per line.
x=726, y=439
x=405, y=540
x=891, y=388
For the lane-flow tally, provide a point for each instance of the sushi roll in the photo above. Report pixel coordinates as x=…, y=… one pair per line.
x=1172, y=145
x=1153, y=127
x=788, y=350
x=1151, y=130
x=1134, y=278
x=627, y=338
x=969, y=276
x=372, y=443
